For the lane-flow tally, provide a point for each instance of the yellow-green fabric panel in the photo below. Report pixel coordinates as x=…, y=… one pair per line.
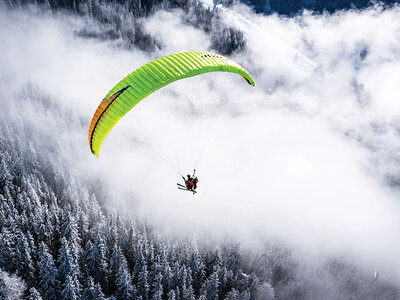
x=151, y=77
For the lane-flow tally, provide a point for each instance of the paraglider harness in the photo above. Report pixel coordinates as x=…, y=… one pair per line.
x=190, y=183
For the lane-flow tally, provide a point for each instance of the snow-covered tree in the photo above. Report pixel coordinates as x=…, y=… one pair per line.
x=97, y=262
x=11, y=286
x=211, y=287
x=125, y=289
x=70, y=290
x=34, y=294
x=69, y=228
x=66, y=262
x=188, y=293
x=171, y=295
x=98, y=293
x=234, y=258
x=157, y=287
x=24, y=263
x=7, y=250
x=142, y=282
x=232, y=295
x=214, y=261
x=116, y=259
x=5, y=176
x=89, y=289
x=48, y=274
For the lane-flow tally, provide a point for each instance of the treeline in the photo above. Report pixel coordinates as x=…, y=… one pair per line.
x=122, y=21
x=143, y=8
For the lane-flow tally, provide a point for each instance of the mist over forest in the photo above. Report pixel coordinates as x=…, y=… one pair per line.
x=298, y=195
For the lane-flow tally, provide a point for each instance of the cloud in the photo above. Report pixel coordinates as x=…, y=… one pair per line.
x=303, y=158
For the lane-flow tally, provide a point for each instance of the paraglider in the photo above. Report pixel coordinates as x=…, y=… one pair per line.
x=190, y=183
x=148, y=79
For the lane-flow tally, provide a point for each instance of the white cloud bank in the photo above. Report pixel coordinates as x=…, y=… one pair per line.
x=299, y=159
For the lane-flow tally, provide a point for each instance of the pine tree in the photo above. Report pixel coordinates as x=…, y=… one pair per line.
x=95, y=216
x=44, y=234
x=182, y=277
x=188, y=293
x=65, y=261
x=214, y=261
x=128, y=242
x=55, y=231
x=18, y=170
x=48, y=274
x=232, y=295
x=189, y=279
x=69, y=231
x=172, y=253
x=32, y=189
x=140, y=262
x=166, y=272
x=234, y=259
x=175, y=276
x=5, y=176
x=157, y=287
x=83, y=226
x=241, y=281
x=33, y=162
x=212, y=287
x=70, y=291
x=177, y=293
x=198, y=271
x=24, y=264
x=97, y=262
x=150, y=255
x=115, y=264
x=98, y=293
x=34, y=253
x=125, y=290
x=254, y=284
x=112, y=229
x=68, y=270
x=89, y=289
x=171, y=295
x=69, y=228
x=143, y=286
x=34, y=294
x=7, y=250
x=2, y=212
x=87, y=253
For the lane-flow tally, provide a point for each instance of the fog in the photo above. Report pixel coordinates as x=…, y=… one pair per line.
x=307, y=158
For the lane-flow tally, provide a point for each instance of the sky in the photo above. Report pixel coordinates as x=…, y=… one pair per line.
x=307, y=158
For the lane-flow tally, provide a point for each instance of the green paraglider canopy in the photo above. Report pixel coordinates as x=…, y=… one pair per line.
x=149, y=78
